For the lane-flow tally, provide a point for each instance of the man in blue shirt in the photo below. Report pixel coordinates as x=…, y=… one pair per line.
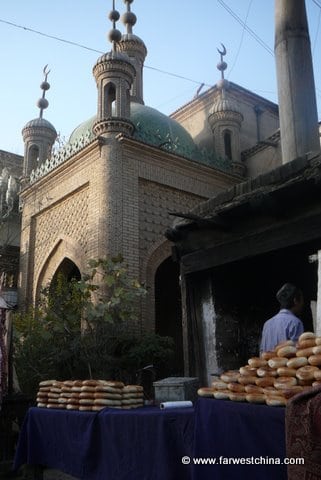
x=285, y=325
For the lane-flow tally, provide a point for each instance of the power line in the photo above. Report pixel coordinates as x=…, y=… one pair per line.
x=242, y=37
x=76, y=44
x=316, y=3
x=246, y=27
x=49, y=36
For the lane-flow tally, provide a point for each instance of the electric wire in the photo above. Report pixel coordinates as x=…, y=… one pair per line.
x=76, y=44
x=241, y=40
x=246, y=27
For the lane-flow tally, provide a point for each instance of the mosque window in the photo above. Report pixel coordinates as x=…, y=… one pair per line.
x=228, y=144
x=110, y=97
x=33, y=155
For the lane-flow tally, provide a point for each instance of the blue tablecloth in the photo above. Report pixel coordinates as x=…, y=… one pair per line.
x=149, y=443
x=141, y=444
x=239, y=430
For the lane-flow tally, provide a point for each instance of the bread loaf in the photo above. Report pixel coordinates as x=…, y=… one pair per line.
x=266, y=372
x=315, y=360
x=317, y=374
x=205, y=392
x=297, y=362
x=309, y=342
x=257, y=362
x=235, y=387
x=219, y=385
x=253, y=389
x=304, y=352
x=255, y=397
x=305, y=336
x=277, y=362
x=247, y=370
x=222, y=394
x=247, y=379
x=267, y=355
x=284, y=382
x=287, y=351
x=306, y=373
x=265, y=381
x=276, y=401
x=286, y=372
x=237, y=397
x=230, y=376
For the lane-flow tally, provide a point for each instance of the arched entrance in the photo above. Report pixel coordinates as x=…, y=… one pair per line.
x=168, y=316
x=60, y=290
x=68, y=269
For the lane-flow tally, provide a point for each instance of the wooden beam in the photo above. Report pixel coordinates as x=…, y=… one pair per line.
x=300, y=230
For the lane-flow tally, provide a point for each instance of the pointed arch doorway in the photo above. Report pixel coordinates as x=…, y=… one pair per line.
x=60, y=285
x=68, y=269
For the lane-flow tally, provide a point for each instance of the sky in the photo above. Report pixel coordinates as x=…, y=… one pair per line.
x=181, y=36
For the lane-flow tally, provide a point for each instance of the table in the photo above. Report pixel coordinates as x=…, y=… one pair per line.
x=149, y=443
x=140, y=444
x=239, y=430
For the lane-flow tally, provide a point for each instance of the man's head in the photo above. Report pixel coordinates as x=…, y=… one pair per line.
x=290, y=297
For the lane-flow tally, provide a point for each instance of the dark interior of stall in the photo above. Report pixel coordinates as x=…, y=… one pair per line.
x=244, y=296
x=168, y=316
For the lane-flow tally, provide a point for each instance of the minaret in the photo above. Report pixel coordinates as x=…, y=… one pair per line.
x=225, y=120
x=296, y=89
x=136, y=49
x=39, y=135
x=114, y=75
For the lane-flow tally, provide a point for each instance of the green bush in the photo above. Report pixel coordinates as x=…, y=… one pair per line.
x=79, y=330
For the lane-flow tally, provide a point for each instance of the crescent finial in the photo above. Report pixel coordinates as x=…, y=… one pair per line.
x=46, y=71
x=222, y=52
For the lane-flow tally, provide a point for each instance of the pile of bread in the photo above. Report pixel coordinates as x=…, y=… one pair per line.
x=275, y=376
x=89, y=395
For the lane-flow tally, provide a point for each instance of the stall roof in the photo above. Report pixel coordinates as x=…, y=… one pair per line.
x=294, y=182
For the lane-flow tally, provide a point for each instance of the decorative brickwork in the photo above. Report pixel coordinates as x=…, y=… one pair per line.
x=67, y=218
x=155, y=203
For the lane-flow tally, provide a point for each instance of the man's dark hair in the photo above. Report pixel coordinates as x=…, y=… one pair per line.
x=287, y=294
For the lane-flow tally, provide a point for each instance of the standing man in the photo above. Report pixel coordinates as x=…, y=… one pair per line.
x=285, y=325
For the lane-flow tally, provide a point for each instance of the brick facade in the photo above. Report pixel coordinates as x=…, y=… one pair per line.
x=114, y=196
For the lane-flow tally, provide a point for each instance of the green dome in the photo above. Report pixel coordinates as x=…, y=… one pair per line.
x=152, y=127
x=156, y=129
x=83, y=129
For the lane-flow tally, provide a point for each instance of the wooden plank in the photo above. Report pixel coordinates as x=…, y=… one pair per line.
x=255, y=243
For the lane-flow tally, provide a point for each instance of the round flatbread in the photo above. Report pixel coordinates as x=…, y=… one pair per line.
x=106, y=401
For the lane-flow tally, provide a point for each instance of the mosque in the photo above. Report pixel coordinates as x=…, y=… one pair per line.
x=123, y=175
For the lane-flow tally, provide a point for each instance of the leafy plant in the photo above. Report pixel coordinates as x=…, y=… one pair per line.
x=79, y=329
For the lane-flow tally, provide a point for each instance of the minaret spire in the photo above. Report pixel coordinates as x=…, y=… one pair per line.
x=225, y=119
x=135, y=48
x=43, y=102
x=114, y=35
x=221, y=66
x=129, y=18
x=114, y=74
x=39, y=135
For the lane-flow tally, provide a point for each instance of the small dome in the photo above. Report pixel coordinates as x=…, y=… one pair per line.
x=82, y=130
x=224, y=105
x=130, y=37
x=130, y=42
x=113, y=55
x=40, y=123
x=151, y=127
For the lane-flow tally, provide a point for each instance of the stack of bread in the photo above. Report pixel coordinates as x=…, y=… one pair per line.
x=275, y=376
x=88, y=395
